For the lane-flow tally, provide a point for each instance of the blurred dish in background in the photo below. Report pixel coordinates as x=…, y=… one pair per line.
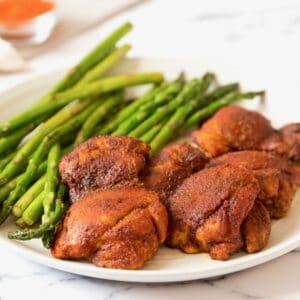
x=26, y=21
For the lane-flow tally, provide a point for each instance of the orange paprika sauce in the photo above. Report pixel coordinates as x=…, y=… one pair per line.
x=14, y=12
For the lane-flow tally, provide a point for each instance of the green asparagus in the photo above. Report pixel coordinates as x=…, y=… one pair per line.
x=37, y=157
x=96, y=55
x=80, y=92
x=8, y=187
x=21, y=223
x=148, y=136
x=169, y=93
x=6, y=159
x=130, y=109
x=97, y=117
x=52, y=180
x=22, y=155
x=35, y=213
x=108, y=63
x=85, y=65
x=191, y=90
x=10, y=142
x=28, y=196
x=206, y=112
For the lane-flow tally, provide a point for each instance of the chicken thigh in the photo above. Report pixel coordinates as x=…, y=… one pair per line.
x=207, y=211
x=118, y=228
x=286, y=142
x=234, y=128
x=170, y=167
x=256, y=228
x=103, y=162
x=278, y=179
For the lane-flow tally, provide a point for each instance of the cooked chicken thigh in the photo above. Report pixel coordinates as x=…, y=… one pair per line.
x=207, y=211
x=278, y=179
x=234, y=128
x=103, y=162
x=286, y=142
x=170, y=167
x=256, y=228
x=118, y=228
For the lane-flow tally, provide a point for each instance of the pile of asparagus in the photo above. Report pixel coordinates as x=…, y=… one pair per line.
x=84, y=104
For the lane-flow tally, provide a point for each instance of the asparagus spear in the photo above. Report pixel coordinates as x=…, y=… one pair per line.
x=28, y=234
x=98, y=116
x=24, y=201
x=171, y=127
x=149, y=135
x=37, y=157
x=40, y=110
x=48, y=238
x=10, y=142
x=191, y=90
x=130, y=109
x=7, y=188
x=28, y=197
x=108, y=63
x=108, y=84
x=5, y=160
x=96, y=55
x=220, y=92
x=89, y=61
x=169, y=92
x=178, y=118
x=35, y=213
x=90, y=90
x=206, y=112
x=48, y=108
x=21, y=223
x=51, y=181
x=22, y=155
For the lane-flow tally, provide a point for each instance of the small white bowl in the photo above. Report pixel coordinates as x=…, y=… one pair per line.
x=32, y=32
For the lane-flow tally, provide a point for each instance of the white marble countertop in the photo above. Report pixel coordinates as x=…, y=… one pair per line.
x=251, y=30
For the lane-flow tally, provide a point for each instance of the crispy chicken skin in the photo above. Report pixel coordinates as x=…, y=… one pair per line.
x=291, y=137
x=117, y=228
x=285, y=142
x=232, y=128
x=278, y=179
x=103, y=162
x=235, y=128
x=207, y=210
x=170, y=167
x=256, y=228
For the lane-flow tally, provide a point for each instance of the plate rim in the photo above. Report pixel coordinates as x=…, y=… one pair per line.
x=142, y=275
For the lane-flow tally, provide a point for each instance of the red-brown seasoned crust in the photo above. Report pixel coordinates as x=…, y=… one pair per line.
x=170, y=167
x=278, y=179
x=286, y=142
x=232, y=128
x=120, y=228
x=207, y=210
x=256, y=228
x=103, y=162
x=291, y=137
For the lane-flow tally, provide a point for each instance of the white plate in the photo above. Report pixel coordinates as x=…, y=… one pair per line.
x=168, y=265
